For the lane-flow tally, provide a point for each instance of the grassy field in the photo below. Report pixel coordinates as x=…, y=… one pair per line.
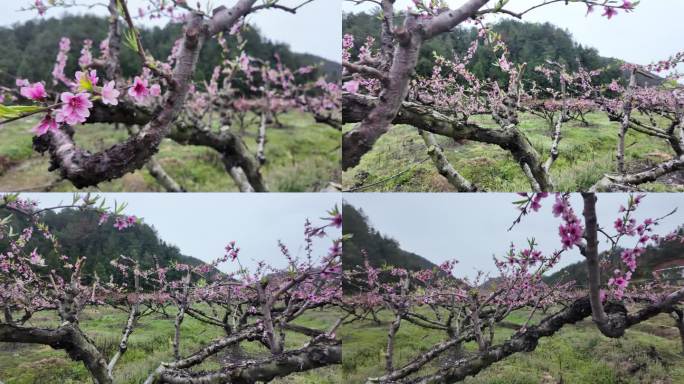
x=301, y=156
x=150, y=343
x=578, y=354
x=586, y=154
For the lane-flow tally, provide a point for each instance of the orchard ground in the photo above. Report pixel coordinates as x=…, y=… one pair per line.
x=302, y=156
x=150, y=343
x=399, y=160
x=649, y=353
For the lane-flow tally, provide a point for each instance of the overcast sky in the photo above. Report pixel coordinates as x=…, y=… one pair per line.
x=652, y=32
x=202, y=224
x=316, y=28
x=473, y=227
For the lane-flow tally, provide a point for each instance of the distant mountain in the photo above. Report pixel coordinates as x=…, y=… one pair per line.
x=531, y=43
x=80, y=235
x=666, y=259
x=381, y=250
x=29, y=49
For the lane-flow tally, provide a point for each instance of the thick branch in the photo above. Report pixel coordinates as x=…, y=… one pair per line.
x=427, y=119
x=69, y=338
x=263, y=370
x=626, y=115
x=443, y=165
x=630, y=181
x=85, y=169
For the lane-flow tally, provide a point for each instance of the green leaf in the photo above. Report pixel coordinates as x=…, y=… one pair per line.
x=10, y=111
x=499, y=6
x=130, y=40
x=119, y=7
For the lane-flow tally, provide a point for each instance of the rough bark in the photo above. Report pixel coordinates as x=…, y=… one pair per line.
x=85, y=169
x=235, y=155
x=523, y=341
x=262, y=370
x=624, y=125
x=678, y=315
x=557, y=129
x=163, y=178
x=123, y=344
x=67, y=337
x=261, y=140
x=443, y=165
x=629, y=182
x=590, y=253
x=520, y=342
x=182, y=306
x=408, y=41
x=237, y=160
x=158, y=172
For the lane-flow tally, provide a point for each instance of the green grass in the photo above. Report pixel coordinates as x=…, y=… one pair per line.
x=150, y=343
x=301, y=156
x=649, y=353
x=578, y=354
x=586, y=154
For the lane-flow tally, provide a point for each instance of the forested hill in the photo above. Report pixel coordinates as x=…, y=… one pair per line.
x=666, y=258
x=382, y=250
x=531, y=43
x=29, y=49
x=80, y=236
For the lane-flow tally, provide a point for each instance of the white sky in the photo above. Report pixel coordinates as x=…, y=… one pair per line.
x=316, y=28
x=652, y=32
x=202, y=224
x=473, y=227
x=439, y=226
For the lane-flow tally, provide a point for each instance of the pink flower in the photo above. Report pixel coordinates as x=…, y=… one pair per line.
x=627, y=5
x=570, y=234
x=558, y=208
x=86, y=58
x=590, y=8
x=351, y=86
x=103, y=218
x=37, y=259
x=40, y=7
x=121, y=223
x=155, y=90
x=609, y=12
x=305, y=70
x=139, y=91
x=46, y=124
x=58, y=70
x=244, y=62
x=336, y=220
x=75, y=109
x=504, y=64
x=34, y=91
x=22, y=82
x=110, y=94
x=614, y=86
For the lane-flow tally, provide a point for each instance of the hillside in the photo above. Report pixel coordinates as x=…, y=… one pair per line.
x=30, y=48
x=667, y=255
x=81, y=236
x=382, y=250
x=531, y=43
